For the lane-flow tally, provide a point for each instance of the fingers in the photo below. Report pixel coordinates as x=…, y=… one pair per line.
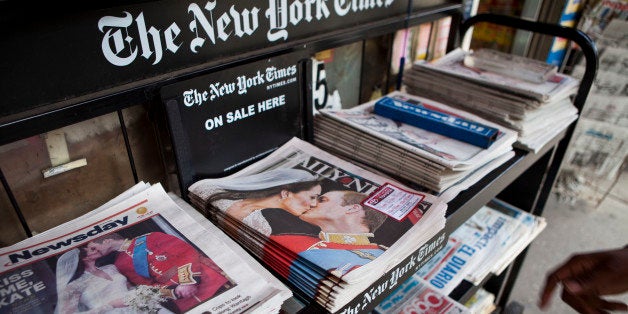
x=558, y=275
x=588, y=276
x=575, y=267
x=613, y=305
x=548, y=290
x=580, y=304
x=610, y=276
x=600, y=282
x=591, y=303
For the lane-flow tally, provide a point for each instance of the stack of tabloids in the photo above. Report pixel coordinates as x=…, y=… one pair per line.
x=485, y=244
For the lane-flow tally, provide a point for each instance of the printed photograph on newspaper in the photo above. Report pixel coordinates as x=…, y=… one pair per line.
x=305, y=207
x=142, y=255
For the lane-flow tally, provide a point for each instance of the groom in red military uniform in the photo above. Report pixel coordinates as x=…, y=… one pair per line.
x=344, y=241
x=159, y=259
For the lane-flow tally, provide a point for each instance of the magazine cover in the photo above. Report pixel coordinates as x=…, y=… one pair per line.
x=440, y=149
x=320, y=222
x=141, y=255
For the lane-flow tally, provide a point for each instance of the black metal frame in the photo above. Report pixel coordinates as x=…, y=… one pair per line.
x=545, y=165
x=81, y=108
x=84, y=107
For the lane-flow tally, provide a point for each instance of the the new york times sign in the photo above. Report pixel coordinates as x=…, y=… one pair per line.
x=128, y=37
x=88, y=52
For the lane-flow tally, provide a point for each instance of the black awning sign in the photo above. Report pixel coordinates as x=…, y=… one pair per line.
x=127, y=37
x=92, y=51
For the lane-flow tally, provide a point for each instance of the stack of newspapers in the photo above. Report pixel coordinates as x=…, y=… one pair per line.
x=439, y=164
x=328, y=227
x=485, y=244
x=482, y=302
x=145, y=251
x=538, y=111
x=417, y=296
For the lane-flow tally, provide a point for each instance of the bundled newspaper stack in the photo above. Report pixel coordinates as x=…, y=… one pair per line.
x=538, y=111
x=441, y=165
x=329, y=228
x=142, y=252
x=487, y=243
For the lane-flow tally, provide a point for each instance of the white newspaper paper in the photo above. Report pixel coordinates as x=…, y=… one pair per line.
x=556, y=87
x=440, y=149
x=417, y=296
x=178, y=265
x=489, y=241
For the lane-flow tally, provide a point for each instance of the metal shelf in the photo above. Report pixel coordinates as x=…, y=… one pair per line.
x=468, y=202
x=68, y=107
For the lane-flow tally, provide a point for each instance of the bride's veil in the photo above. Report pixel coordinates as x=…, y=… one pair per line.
x=267, y=179
x=205, y=189
x=66, y=267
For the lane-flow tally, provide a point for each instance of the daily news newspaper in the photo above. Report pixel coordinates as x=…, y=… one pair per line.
x=309, y=216
x=144, y=254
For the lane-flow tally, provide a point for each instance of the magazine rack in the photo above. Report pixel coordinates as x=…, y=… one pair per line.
x=32, y=112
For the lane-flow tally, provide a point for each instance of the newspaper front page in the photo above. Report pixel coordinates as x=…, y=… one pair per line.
x=142, y=254
x=417, y=296
x=486, y=243
x=307, y=214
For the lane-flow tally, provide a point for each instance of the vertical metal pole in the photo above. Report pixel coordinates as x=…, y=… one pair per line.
x=361, y=71
x=455, y=38
x=391, y=40
x=128, y=145
x=402, y=61
x=16, y=207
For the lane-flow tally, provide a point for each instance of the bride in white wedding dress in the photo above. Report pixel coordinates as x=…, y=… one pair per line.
x=84, y=287
x=243, y=198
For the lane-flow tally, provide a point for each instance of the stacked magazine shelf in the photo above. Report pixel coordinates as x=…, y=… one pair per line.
x=28, y=114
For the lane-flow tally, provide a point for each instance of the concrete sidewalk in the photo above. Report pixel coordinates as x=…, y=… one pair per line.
x=569, y=231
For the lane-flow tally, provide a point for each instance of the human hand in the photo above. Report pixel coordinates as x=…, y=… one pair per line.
x=185, y=291
x=586, y=277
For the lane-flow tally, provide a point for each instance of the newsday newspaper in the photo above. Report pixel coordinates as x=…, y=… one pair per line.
x=143, y=254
